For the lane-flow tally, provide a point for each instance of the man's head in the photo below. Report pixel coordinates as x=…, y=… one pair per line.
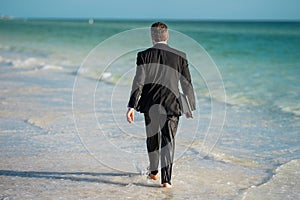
x=159, y=32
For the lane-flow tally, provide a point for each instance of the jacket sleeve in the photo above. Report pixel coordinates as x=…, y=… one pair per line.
x=186, y=83
x=138, y=83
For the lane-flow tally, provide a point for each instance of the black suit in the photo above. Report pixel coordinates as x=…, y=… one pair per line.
x=159, y=70
x=155, y=93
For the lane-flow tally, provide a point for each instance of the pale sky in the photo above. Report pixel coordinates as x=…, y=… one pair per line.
x=154, y=9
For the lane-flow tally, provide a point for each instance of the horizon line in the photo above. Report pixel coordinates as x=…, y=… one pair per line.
x=6, y=17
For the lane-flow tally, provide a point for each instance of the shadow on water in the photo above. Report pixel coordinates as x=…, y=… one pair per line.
x=76, y=176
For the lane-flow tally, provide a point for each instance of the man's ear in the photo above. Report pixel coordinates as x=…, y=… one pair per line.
x=167, y=36
x=153, y=41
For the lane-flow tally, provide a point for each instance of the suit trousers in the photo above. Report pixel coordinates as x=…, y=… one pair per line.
x=161, y=130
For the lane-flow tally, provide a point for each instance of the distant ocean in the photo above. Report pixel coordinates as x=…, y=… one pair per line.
x=259, y=63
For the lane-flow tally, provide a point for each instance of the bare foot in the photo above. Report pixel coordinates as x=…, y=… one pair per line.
x=153, y=177
x=167, y=185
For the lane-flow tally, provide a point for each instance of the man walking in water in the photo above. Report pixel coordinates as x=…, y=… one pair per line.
x=155, y=92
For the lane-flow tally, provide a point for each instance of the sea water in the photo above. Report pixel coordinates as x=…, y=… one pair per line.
x=253, y=154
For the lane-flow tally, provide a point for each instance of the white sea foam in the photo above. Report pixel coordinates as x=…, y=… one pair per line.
x=28, y=63
x=5, y=61
x=52, y=67
x=106, y=75
x=294, y=109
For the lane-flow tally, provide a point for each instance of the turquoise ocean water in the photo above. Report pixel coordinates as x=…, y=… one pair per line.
x=259, y=63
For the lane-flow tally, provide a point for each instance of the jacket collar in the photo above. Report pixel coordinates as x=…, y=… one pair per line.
x=160, y=45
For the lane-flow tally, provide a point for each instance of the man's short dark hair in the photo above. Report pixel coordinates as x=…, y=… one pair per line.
x=159, y=31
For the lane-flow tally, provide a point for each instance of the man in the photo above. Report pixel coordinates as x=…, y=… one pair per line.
x=155, y=92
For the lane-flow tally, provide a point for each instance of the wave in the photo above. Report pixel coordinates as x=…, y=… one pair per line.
x=30, y=63
x=107, y=77
x=43, y=122
x=293, y=109
x=52, y=67
x=284, y=184
x=201, y=148
x=285, y=104
x=5, y=61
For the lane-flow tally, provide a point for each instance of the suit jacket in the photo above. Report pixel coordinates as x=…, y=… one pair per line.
x=159, y=70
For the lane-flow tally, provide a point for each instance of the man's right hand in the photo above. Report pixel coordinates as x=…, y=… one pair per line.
x=130, y=115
